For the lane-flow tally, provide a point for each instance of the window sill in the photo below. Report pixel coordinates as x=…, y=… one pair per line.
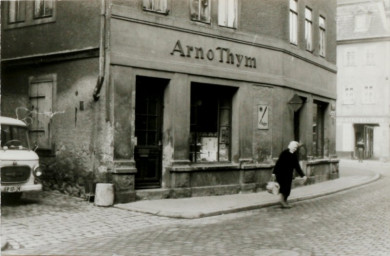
x=166, y=13
x=322, y=160
x=196, y=167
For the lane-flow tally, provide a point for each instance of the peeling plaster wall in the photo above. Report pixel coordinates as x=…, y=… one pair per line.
x=81, y=138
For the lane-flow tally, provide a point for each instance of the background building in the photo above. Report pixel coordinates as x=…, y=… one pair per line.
x=363, y=82
x=172, y=98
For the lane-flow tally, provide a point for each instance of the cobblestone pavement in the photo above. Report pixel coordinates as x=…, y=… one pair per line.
x=354, y=222
x=50, y=217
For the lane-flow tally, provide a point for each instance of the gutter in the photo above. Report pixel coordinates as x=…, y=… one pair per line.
x=102, y=57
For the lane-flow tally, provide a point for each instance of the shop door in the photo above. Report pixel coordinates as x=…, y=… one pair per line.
x=368, y=141
x=148, y=127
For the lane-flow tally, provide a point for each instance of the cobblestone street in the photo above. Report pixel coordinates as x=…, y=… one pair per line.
x=354, y=222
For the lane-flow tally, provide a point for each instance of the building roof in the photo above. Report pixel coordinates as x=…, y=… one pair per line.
x=362, y=19
x=11, y=121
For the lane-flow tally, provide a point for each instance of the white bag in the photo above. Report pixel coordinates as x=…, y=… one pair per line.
x=273, y=187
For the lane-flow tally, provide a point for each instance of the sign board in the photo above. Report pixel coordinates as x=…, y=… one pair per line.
x=262, y=117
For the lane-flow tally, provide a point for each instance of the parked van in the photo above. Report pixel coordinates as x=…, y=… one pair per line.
x=19, y=164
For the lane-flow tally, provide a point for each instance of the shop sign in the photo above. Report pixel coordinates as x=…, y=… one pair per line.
x=221, y=54
x=262, y=117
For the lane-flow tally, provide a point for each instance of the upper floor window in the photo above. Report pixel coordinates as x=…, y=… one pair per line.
x=308, y=29
x=16, y=11
x=227, y=13
x=200, y=10
x=322, y=42
x=294, y=22
x=370, y=57
x=362, y=22
x=368, y=94
x=160, y=6
x=350, y=58
x=43, y=8
x=21, y=13
x=349, y=97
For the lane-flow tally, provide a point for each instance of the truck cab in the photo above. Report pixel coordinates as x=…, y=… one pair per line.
x=19, y=164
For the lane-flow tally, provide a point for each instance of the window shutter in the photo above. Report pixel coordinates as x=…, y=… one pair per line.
x=41, y=108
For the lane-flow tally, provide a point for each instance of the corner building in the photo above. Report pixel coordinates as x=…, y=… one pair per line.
x=199, y=97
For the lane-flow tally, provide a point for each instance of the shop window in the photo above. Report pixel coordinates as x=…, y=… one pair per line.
x=227, y=13
x=28, y=13
x=211, y=110
x=159, y=6
x=322, y=42
x=318, y=128
x=41, y=104
x=349, y=95
x=16, y=11
x=308, y=29
x=43, y=9
x=294, y=22
x=200, y=10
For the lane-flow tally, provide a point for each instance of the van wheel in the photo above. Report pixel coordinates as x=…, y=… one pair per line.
x=12, y=196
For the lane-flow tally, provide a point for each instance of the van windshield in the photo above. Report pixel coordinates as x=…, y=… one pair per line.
x=14, y=137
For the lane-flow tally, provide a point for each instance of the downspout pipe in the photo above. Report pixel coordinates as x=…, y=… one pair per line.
x=102, y=57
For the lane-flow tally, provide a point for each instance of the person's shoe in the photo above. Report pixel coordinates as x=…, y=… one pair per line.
x=285, y=205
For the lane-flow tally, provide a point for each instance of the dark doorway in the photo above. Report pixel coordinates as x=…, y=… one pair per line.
x=365, y=132
x=148, y=131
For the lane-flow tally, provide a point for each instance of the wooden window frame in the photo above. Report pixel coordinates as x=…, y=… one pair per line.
x=29, y=20
x=322, y=36
x=196, y=7
x=224, y=22
x=293, y=22
x=309, y=29
x=146, y=3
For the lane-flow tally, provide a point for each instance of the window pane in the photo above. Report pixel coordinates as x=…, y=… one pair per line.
x=210, y=123
x=16, y=11
x=155, y=5
x=227, y=13
x=43, y=8
x=222, y=13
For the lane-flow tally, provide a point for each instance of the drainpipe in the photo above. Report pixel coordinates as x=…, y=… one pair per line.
x=102, y=57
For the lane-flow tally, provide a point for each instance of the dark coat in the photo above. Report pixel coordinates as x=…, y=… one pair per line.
x=284, y=169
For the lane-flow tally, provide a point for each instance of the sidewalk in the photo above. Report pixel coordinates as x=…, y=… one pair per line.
x=198, y=207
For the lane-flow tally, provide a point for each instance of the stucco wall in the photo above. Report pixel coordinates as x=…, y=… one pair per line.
x=76, y=26
x=81, y=138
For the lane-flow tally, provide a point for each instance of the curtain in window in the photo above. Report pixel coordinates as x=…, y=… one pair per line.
x=43, y=8
x=227, y=13
x=156, y=5
x=16, y=11
x=293, y=22
x=308, y=29
x=200, y=10
x=322, y=36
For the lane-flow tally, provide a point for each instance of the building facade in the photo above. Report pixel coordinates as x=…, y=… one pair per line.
x=363, y=82
x=173, y=99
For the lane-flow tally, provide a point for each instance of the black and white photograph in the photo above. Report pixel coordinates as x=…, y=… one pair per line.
x=195, y=127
